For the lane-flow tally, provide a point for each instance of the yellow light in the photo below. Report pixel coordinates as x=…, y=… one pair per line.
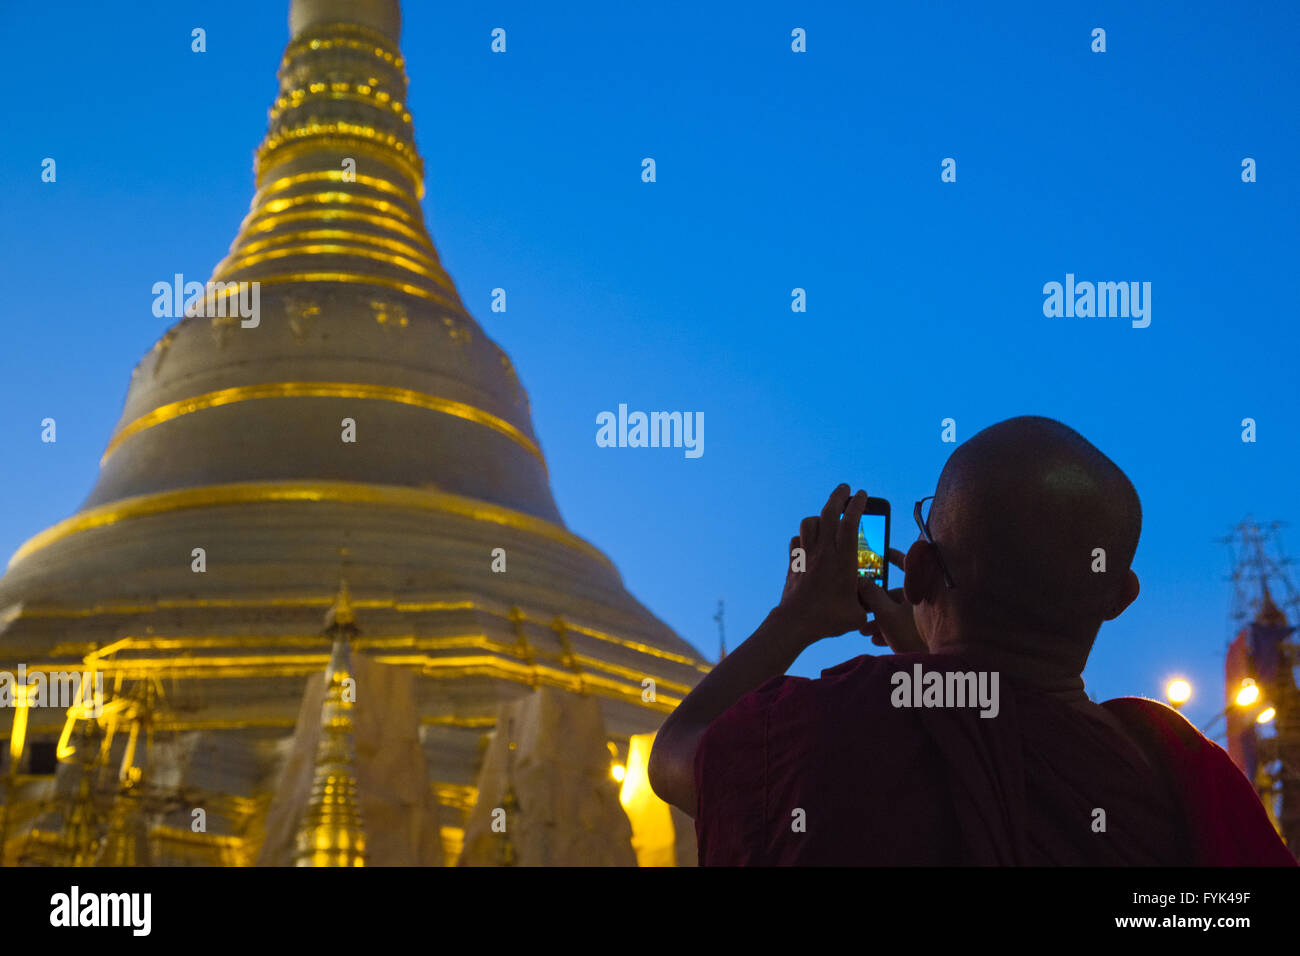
x=259, y=221
x=245, y=260
x=618, y=772
x=65, y=750
x=1248, y=694
x=327, y=175
x=1178, y=691
x=654, y=836
x=18, y=734
x=1266, y=715
x=329, y=197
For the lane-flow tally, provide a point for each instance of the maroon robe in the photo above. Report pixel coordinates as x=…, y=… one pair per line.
x=829, y=772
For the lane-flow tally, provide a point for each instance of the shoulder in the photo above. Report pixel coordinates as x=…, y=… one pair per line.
x=1226, y=822
x=1157, y=725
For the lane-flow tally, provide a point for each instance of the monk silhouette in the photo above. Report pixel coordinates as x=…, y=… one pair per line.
x=974, y=743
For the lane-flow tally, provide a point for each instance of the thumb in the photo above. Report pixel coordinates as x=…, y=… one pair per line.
x=893, y=625
x=874, y=598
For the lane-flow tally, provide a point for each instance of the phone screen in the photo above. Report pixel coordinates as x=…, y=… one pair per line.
x=873, y=545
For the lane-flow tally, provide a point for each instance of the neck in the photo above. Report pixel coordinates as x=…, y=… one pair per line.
x=1022, y=658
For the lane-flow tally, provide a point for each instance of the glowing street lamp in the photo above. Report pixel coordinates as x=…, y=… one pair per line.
x=1266, y=715
x=1178, y=691
x=1248, y=693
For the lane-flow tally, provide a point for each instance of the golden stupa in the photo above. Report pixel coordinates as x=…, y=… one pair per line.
x=362, y=426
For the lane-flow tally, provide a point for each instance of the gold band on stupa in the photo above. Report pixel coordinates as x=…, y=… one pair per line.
x=347, y=278
x=217, y=496
x=347, y=235
x=346, y=145
x=376, y=393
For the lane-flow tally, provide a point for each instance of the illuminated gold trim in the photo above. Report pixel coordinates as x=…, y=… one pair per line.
x=638, y=646
x=383, y=393
x=240, y=723
x=349, y=278
x=233, y=642
x=334, y=130
x=370, y=92
x=330, y=197
x=349, y=235
x=334, y=133
x=334, y=35
x=502, y=661
x=260, y=492
x=267, y=666
x=378, y=100
x=636, y=676
x=331, y=176
x=247, y=261
x=345, y=145
x=461, y=723
x=325, y=601
x=104, y=659
x=261, y=222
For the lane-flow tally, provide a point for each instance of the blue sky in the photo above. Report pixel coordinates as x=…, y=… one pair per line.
x=775, y=171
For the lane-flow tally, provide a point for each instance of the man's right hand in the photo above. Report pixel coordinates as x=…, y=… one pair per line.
x=894, y=624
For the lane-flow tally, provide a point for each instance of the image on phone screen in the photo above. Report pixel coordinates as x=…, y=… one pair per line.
x=871, y=547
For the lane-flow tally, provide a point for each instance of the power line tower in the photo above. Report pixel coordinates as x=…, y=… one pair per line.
x=1264, y=737
x=1260, y=569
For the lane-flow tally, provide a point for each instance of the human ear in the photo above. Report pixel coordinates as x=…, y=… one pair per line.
x=921, y=572
x=1128, y=594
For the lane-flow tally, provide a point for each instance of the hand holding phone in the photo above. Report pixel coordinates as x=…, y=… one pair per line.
x=821, y=595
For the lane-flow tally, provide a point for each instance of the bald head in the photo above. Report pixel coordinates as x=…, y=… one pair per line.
x=1019, y=515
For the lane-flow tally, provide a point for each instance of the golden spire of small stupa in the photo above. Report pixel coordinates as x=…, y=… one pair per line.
x=340, y=617
x=331, y=831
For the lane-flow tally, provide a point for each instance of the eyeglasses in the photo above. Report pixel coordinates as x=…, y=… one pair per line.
x=924, y=524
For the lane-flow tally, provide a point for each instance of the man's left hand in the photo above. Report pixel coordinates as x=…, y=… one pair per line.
x=822, y=600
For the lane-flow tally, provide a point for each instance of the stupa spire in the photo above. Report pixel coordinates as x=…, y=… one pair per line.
x=339, y=177
x=331, y=832
x=356, y=317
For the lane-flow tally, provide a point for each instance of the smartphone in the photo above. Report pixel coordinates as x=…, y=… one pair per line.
x=873, y=542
